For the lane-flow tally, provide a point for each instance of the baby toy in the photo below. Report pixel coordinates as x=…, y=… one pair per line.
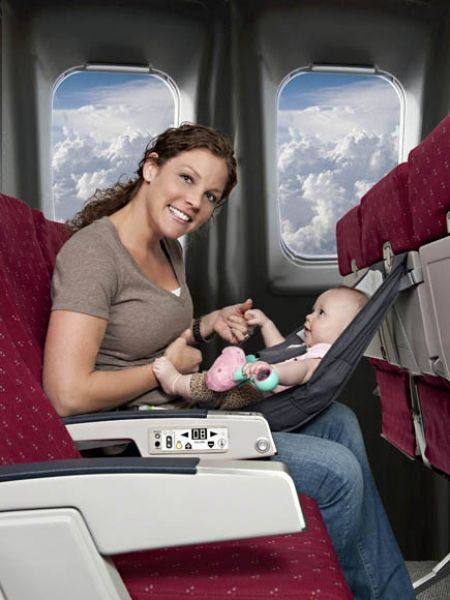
x=265, y=380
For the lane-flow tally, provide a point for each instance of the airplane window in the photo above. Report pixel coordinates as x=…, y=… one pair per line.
x=101, y=123
x=338, y=134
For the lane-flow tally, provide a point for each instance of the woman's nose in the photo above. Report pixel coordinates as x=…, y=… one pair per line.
x=194, y=198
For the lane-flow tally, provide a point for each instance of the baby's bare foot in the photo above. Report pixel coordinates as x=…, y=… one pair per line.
x=166, y=374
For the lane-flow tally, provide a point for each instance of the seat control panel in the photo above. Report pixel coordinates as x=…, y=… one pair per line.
x=185, y=440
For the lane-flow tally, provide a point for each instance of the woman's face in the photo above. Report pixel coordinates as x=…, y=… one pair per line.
x=182, y=193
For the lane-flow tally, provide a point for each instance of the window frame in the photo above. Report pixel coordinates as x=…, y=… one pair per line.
x=289, y=272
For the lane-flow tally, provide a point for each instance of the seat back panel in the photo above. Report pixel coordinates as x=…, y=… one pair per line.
x=435, y=258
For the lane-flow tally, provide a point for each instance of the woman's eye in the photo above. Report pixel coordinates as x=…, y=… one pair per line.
x=186, y=178
x=212, y=198
x=321, y=311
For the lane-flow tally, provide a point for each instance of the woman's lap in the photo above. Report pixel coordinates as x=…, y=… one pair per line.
x=326, y=470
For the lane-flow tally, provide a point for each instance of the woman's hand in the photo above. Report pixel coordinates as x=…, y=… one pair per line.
x=184, y=357
x=229, y=322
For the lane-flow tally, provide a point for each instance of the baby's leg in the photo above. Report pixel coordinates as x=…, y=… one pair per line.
x=233, y=399
x=193, y=387
x=172, y=381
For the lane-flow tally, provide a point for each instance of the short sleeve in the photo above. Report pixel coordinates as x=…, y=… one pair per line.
x=317, y=351
x=85, y=279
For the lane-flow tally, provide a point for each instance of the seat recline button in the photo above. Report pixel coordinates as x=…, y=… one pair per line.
x=262, y=444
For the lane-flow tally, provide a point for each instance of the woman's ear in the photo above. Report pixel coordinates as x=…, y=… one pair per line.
x=150, y=167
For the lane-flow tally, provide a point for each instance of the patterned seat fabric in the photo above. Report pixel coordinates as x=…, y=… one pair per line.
x=31, y=430
x=299, y=566
x=348, y=232
x=385, y=216
x=296, y=566
x=407, y=208
x=396, y=423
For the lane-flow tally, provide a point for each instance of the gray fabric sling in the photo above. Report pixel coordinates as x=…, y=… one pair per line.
x=291, y=408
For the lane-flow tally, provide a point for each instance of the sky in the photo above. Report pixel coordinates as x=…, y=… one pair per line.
x=102, y=123
x=337, y=136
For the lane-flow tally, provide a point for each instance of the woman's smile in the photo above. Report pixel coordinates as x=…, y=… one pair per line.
x=179, y=214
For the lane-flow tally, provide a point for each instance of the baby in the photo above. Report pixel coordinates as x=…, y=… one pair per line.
x=333, y=310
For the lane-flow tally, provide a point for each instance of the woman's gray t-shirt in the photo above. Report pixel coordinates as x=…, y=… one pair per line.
x=96, y=275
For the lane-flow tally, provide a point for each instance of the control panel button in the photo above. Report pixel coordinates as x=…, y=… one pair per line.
x=262, y=445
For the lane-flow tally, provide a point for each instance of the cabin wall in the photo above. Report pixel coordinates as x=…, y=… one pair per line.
x=227, y=59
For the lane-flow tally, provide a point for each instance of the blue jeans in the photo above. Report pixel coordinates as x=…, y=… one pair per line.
x=327, y=461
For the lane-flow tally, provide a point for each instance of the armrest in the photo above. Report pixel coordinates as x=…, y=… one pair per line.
x=212, y=434
x=133, y=504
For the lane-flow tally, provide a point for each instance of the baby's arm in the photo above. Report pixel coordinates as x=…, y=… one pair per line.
x=290, y=373
x=269, y=330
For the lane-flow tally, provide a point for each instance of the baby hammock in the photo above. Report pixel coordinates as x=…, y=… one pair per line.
x=291, y=408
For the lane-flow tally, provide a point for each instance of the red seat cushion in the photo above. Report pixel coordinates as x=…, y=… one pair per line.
x=300, y=566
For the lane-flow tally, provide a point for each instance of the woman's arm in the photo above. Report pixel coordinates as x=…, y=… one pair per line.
x=70, y=379
x=228, y=322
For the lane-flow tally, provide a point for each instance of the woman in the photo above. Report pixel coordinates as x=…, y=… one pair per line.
x=119, y=294
x=120, y=300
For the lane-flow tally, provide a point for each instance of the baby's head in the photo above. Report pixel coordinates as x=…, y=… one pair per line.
x=332, y=312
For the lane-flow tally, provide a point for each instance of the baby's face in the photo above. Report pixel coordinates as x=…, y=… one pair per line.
x=332, y=312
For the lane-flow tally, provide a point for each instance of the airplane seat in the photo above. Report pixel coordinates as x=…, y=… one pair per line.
x=381, y=214
x=129, y=527
x=409, y=211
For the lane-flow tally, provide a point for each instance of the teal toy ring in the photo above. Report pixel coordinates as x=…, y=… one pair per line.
x=264, y=381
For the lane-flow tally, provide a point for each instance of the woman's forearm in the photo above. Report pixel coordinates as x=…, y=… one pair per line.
x=70, y=377
x=206, y=323
x=98, y=390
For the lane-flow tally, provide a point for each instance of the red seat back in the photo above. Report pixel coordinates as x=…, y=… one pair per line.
x=31, y=429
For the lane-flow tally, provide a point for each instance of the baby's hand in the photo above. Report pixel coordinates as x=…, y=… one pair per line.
x=255, y=317
x=251, y=369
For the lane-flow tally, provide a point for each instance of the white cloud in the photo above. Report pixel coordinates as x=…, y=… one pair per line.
x=103, y=140
x=328, y=157
x=366, y=106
